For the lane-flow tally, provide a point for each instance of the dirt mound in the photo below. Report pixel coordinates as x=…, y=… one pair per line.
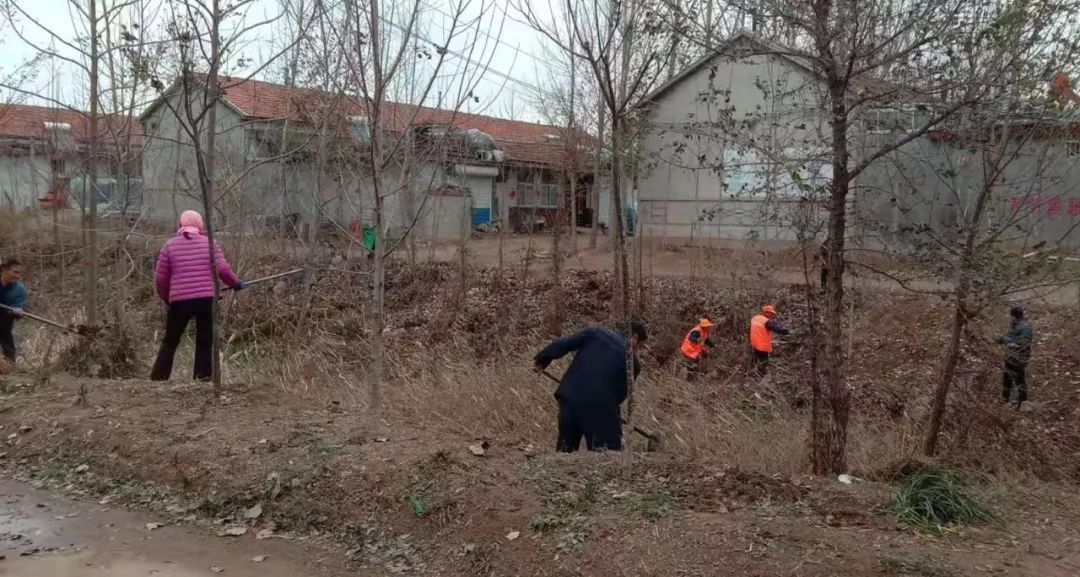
x=732, y=489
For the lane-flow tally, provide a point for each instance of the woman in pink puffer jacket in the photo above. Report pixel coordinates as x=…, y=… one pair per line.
x=184, y=281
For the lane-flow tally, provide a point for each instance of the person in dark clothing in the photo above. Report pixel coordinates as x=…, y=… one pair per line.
x=594, y=386
x=1017, y=356
x=762, y=327
x=12, y=295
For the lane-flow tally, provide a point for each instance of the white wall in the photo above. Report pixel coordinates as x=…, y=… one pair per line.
x=23, y=180
x=721, y=145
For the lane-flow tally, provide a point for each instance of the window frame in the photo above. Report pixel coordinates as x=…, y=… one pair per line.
x=544, y=195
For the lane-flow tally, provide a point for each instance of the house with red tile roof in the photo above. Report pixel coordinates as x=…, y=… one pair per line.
x=299, y=154
x=44, y=152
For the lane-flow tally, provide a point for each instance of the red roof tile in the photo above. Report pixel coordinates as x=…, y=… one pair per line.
x=22, y=121
x=522, y=141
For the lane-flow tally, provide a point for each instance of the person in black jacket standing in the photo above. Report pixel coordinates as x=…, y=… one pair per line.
x=594, y=386
x=1017, y=342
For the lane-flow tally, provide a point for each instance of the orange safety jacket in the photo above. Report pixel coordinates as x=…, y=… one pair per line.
x=692, y=350
x=760, y=337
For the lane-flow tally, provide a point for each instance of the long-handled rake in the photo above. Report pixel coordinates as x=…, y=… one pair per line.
x=271, y=277
x=81, y=330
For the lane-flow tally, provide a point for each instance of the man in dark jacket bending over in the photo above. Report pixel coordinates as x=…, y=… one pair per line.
x=594, y=386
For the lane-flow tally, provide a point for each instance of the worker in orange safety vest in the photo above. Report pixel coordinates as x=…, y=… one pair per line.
x=694, y=345
x=762, y=326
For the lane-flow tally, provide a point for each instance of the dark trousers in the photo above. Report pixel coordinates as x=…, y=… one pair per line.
x=599, y=423
x=1015, y=377
x=759, y=362
x=7, y=336
x=693, y=368
x=180, y=313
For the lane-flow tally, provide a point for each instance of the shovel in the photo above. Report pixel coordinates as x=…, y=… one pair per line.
x=271, y=277
x=79, y=330
x=652, y=440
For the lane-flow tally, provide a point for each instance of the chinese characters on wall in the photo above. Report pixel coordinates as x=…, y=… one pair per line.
x=1055, y=207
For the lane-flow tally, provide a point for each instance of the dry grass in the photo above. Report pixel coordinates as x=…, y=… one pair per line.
x=461, y=364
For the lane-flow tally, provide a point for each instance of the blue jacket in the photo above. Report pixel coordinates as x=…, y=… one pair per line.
x=1018, y=342
x=13, y=295
x=597, y=375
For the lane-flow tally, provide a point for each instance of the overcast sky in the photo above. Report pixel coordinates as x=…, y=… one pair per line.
x=518, y=75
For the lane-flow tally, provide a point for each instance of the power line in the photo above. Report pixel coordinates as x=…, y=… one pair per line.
x=487, y=68
x=537, y=59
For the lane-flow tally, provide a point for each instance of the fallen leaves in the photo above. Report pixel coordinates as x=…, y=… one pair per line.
x=152, y=526
x=233, y=532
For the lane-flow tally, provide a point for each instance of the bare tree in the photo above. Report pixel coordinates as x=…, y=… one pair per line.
x=603, y=35
x=201, y=49
x=84, y=54
x=987, y=190
x=559, y=103
x=403, y=140
x=854, y=49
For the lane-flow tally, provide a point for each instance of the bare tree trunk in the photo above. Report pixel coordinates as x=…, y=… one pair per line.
x=639, y=246
x=531, y=228
x=618, y=139
x=961, y=316
x=379, y=281
x=817, y=457
x=555, y=319
x=557, y=299
x=597, y=171
x=834, y=369
x=709, y=24
x=463, y=258
x=572, y=139
x=209, y=177
x=91, y=170
x=948, y=373
x=502, y=226
x=312, y=239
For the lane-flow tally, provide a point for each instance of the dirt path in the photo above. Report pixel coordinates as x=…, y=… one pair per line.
x=41, y=535
x=731, y=264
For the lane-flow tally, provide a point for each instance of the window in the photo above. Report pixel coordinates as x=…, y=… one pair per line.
x=891, y=120
x=744, y=174
x=539, y=195
x=1072, y=148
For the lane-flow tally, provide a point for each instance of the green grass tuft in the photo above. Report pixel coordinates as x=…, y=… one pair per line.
x=935, y=499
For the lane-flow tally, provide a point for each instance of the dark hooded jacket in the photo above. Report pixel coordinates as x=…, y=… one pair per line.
x=597, y=375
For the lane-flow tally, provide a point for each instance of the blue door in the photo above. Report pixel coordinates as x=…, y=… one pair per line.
x=481, y=216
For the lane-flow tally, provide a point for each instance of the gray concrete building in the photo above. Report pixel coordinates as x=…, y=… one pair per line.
x=298, y=154
x=44, y=154
x=736, y=147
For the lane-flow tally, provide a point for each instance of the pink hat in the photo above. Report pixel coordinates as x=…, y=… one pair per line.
x=191, y=222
